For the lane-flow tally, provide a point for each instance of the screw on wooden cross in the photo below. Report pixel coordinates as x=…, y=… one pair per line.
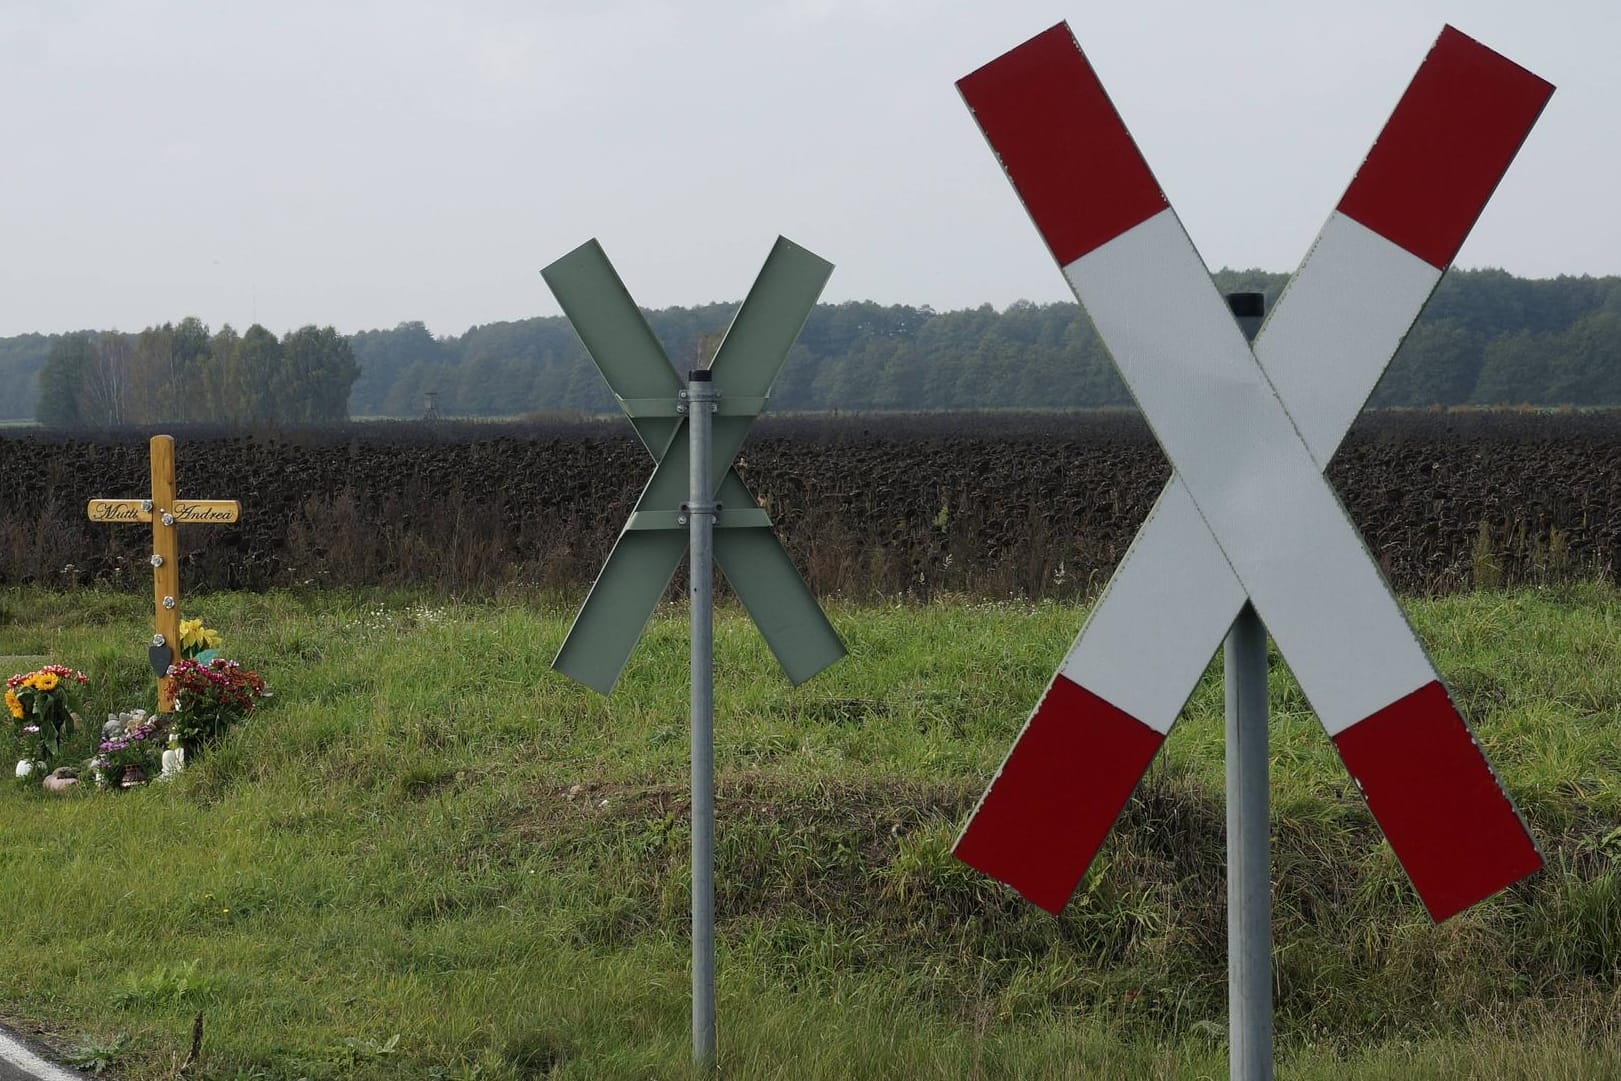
x=167, y=514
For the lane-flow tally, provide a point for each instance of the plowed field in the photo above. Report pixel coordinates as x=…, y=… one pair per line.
x=991, y=504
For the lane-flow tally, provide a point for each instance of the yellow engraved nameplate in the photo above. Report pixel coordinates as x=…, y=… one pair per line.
x=205, y=511
x=119, y=510
x=185, y=511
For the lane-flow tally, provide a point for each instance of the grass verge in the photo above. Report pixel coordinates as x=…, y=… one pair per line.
x=430, y=857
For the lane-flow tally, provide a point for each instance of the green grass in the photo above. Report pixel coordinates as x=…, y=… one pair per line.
x=430, y=857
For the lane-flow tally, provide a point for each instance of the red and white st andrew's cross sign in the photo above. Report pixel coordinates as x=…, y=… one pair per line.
x=1249, y=431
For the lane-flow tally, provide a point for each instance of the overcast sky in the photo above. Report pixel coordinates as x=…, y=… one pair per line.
x=363, y=164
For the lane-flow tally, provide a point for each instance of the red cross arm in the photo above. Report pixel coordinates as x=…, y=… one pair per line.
x=1423, y=185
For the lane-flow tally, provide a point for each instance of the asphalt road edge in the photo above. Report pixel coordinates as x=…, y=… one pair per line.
x=20, y=1062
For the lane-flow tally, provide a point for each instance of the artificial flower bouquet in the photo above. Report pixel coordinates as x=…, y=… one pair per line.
x=130, y=751
x=211, y=693
x=41, y=705
x=197, y=642
x=212, y=696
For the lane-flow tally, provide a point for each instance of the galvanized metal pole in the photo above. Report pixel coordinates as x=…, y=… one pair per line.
x=1249, y=870
x=701, y=396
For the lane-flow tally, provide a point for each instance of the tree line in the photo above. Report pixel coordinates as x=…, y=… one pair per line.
x=1487, y=338
x=182, y=373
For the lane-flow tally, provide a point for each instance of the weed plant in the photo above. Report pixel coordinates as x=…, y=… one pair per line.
x=428, y=856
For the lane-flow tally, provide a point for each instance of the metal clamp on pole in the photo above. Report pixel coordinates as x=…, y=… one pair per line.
x=702, y=394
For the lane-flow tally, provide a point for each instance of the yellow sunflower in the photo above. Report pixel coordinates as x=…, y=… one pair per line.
x=14, y=704
x=46, y=681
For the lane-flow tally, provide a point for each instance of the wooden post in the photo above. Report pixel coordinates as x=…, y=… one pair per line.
x=166, y=513
x=165, y=560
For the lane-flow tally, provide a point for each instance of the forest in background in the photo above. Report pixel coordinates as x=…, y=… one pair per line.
x=182, y=373
x=1487, y=338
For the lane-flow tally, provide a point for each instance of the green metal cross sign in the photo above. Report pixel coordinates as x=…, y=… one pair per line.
x=654, y=539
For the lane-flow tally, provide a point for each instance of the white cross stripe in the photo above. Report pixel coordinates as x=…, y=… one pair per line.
x=1344, y=313
x=1240, y=458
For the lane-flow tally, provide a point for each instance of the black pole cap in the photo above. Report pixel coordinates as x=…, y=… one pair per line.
x=700, y=375
x=1247, y=305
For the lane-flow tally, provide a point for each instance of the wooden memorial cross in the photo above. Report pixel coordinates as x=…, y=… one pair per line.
x=166, y=513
